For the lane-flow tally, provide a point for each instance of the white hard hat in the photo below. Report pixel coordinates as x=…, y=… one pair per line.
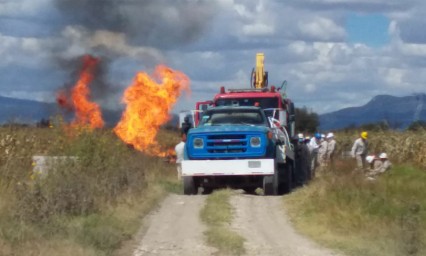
x=370, y=159
x=383, y=155
x=322, y=135
x=300, y=135
x=330, y=135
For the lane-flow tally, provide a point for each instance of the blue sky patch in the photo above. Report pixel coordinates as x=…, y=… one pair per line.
x=371, y=29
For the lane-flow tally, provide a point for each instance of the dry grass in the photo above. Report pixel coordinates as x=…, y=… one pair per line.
x=343, y=210
x=217, y=214
x=84, y=207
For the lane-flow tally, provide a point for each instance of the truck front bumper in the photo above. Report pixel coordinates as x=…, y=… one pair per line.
x=228, y=167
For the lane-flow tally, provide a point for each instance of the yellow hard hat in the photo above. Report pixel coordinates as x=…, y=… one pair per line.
x=364, y=135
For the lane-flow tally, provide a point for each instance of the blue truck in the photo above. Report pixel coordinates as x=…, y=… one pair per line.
x=238, y=147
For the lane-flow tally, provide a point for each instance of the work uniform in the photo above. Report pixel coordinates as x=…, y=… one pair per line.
x=322, y=153
x=359, y=151
x=179, y=149
x=379, y=166
x=331, y=147
x=313, y=151
x=302, y=163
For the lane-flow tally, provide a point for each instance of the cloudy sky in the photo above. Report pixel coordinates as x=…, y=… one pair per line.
x=333, y=53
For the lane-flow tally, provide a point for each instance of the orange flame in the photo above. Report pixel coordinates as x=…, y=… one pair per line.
x=87, y=113
x=148, y=106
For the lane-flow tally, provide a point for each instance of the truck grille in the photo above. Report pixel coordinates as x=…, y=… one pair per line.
x=227, y=143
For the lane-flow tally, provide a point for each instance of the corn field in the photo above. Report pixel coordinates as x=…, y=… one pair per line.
x=401, y=147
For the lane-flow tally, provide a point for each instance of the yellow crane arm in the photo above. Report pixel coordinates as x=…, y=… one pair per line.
x=259, y=82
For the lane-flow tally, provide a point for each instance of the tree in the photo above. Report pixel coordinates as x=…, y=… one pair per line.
x=417, y=126
x=307, y=121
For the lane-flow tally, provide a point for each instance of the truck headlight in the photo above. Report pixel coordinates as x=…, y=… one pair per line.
x=255, y=142
x=198, y=143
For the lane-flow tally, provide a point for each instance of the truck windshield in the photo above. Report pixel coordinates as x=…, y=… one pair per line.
x=260, y=102
x=233, y=117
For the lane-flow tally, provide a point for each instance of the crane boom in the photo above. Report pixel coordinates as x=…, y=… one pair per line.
x=259, y=76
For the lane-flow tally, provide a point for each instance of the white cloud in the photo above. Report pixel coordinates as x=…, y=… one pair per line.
x=22, y=8
x=24, y=51
x=258, y=29
x=321, y=29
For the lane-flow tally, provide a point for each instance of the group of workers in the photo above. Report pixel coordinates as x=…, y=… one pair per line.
x=376, y=164
x=316, y=155
x=314, y=152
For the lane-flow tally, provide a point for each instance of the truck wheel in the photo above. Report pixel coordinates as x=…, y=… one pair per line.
x=250, y=190
x=270, y=185
x=188, y=186
x=207, y=190
x=288, y=182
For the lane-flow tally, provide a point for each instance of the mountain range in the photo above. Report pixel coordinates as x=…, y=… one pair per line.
x=397, y=112
x=22, y=111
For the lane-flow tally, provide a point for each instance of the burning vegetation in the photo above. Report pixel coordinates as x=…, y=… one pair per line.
x=148, y=100
x=87, y=113
x=148, y=103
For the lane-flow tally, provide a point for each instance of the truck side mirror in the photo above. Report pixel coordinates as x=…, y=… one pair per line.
x=283, y=118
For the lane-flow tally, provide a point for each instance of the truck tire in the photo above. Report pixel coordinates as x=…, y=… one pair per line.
x=270, y=185
x=287, y=185
x=189, y=186
x=207, y=190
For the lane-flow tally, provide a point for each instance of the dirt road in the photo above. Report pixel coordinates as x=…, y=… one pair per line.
x=175, y=228
x=267, y=230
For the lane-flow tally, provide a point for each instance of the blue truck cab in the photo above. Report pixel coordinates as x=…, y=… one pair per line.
x=237, y=147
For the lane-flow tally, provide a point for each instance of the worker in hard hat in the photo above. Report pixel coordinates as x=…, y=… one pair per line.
x=331, y=148
x=385, y=163
x=313, y=147
x=322, y=153
x=302, y=161
x=378, y=165
x=360, y=149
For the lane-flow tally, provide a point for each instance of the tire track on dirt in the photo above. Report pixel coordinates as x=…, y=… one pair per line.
x=175, y=229
x=263, y=223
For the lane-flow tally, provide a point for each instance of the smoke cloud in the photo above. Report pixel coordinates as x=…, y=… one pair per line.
x=100, y=87
x=115, y=29
x=162, y=24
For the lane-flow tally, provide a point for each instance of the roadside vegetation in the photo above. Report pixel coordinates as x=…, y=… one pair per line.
x=387, y=216
x=217, y=214
x=88, y=205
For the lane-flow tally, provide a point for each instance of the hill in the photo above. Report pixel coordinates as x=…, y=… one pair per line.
x=31, y=111
x=397, y=112
x=24, y=111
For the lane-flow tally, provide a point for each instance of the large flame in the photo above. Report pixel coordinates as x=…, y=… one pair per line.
x=148, y=105
x=87, y=113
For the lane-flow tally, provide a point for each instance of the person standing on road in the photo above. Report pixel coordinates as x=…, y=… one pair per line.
x=331, y=147
x=179, y=149
x=360, y=149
